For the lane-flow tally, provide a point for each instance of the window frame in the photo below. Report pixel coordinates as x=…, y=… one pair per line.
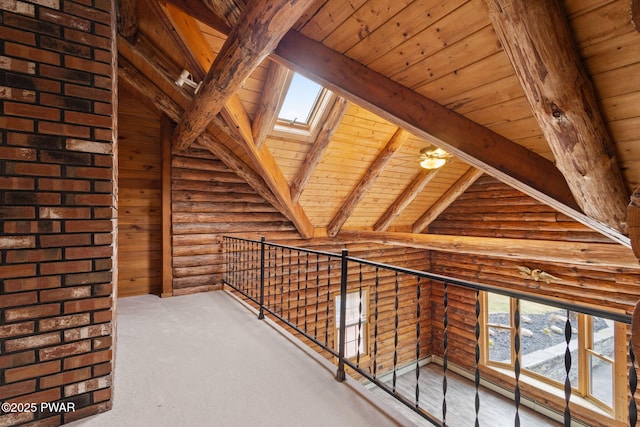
x=363, y=323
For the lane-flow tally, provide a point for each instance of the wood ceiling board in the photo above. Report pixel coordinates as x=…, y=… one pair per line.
x=617, y=82
x=612, y=53
x=328, y=17
x=602, y=23
x=505, y=112
x=382, y=40
x=453, y=27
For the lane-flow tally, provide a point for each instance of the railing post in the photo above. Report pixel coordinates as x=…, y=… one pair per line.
x=340, y=375
x=261, y=314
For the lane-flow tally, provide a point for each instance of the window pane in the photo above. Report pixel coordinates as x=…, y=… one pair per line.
x=601, y=379
x=499, y=309
x=499, y=345
x=300, y=100
x=543, y=348
x=602, y=336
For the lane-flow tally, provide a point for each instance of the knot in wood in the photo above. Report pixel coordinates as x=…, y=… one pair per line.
x=556, y=112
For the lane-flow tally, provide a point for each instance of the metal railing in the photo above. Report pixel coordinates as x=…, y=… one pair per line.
x=300, y=287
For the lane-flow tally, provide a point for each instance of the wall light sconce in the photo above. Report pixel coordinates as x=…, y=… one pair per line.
x=187, y=79
x=433, y=158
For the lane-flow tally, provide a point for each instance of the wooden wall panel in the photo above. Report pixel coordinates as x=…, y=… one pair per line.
x=140, y=186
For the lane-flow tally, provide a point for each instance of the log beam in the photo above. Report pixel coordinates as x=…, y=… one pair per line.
x=259, y=30
x=633, y=215
x=273, y=94
x=459, y=187
x=408, y=195
x=313, y=158
x=127, y=19
x=572, y=253
x=537, y=39
x=476, y=145
x=369, y=178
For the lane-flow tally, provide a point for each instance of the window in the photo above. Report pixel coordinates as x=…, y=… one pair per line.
x=303, y=108
x=356, y=323
x=593, y=345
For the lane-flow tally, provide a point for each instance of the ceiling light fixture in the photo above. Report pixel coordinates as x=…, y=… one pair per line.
x=433, y=158
x=187, y=79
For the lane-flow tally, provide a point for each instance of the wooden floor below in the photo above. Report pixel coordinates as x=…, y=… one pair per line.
x=495, y=410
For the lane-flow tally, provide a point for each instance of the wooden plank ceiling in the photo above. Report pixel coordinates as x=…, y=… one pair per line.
x=543, y=98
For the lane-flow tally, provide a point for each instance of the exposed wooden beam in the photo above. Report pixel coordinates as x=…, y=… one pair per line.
x=128, y=19
x=259, y=30
x=635, y=14
x=408, y=195
x=478, y=146
x=369, y=178
x=166, y=127
x=273, y=94
x=571, y=253
x=228, y=10
x=198, y=9
x=312, y=159
x=459, y=187
x=537, y=39
x=266, y=165
x=633, y=216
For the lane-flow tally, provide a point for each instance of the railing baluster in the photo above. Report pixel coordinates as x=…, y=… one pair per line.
x=298, y=293
x=359, y=334
x=290, y=254
x=306, y=290
x=395, y=334
x=633, y=385
x=281, y=281
x=445, y=342
x=375, y=326
x=477, y=367
x=315, y=323
x=340, y=374
x=516, y=365
x=567, y=368
x=261, y=314
x=418, y=315
x=326, y=319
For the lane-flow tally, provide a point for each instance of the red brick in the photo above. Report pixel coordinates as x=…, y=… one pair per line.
x=100, y=343
x=32, y=198
x=32, y=227
x=87, y=359
x=102, y=395
x=18, y=36
x=65, y=213
x=34, y=83
x=81, y=226
x=88, y=119
x=65, y=102
x=32, y=312
x=102, y=369
x=65, y=267
x=16, y=418
x=88, y=278
x=88, y=65
x=89, y=199
x=65, y=19
x=103, y=316
x=31, y=53
x=18, y=65
x=15, y=123
x=16, y=300
x=103, y=289
x=34, y=140
x=17, y=359
x=15, y=212
x=33, y=111
x=91, y=331
x=103, y=239
x=40, y=282
x=64, y=322
x=89, y=146
x=65, y=350
x=103, y=264
x=104, y=213
x=32, y=169
x=65, y=378
x=17, y=94
x=33, y=341
x=87, y=93
x=88, y=252
x=65, y=240
x=18, y=270
x=65, y=157
x=69, y=48
x=64, y=129
x=34, y=255
x=64, y=185
x=42, y=396
x=107, y=136
x=15, y=153
x=89, y=172
x=87, y=386
x=102, y=55
x=31, y=371
x=87, y=305
x=65, y=293
x=103, y=108
x=17, y=389
x=16, y=242
x=17, y=329
x=89, y=13
x=16, y=183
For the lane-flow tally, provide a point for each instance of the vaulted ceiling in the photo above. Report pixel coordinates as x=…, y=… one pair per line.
x=543, y=97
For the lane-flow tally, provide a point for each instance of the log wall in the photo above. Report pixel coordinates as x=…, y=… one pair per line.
x=140, y=186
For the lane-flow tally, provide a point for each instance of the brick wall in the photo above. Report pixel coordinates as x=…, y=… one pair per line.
x=57, y=207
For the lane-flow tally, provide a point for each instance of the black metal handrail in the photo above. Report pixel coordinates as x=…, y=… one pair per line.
x=295, y=285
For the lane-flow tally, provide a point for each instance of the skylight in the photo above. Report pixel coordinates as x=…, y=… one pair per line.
x=300, y=102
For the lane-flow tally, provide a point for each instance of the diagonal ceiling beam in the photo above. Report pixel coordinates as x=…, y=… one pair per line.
x=128, y=19
x=367, y=181
x=478, y=146
x=459, y=187
x=313, y=157
x=537, y=39
x=271, y=100
x=258, y=31
x=404, y=200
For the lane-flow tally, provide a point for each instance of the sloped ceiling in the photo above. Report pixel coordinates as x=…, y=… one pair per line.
x=548, y=106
